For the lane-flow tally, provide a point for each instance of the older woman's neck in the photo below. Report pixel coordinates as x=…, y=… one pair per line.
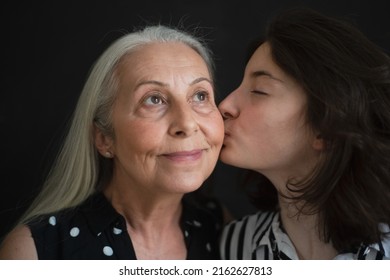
x=141, y=209
x=152, y=222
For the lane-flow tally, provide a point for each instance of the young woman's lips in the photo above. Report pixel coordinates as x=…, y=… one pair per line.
x=183, y=156
x=227, y=135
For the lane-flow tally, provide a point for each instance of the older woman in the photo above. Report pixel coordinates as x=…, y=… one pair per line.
x=145, y=132
x=311, y=118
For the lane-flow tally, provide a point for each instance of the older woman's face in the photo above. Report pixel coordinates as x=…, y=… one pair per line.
x=265, y=128
x=168, y=130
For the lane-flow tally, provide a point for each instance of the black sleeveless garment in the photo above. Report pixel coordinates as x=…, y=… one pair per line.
x=94, y=230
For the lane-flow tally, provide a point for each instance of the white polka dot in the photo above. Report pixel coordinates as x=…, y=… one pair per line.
x=186, y=233
x=208, y=247
x=99, y=234
x=74, y=232
x=116, y=230
x=52, y=220
x=107, y=250
x=197, y=224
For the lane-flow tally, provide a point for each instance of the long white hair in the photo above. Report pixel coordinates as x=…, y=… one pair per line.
x=79, y=170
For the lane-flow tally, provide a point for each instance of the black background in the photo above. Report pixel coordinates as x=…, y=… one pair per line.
x=49, y=47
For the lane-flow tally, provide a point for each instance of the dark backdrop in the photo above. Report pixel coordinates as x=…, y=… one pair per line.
x=49, y=46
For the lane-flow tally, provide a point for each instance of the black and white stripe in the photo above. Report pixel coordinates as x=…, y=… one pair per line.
x=260, y=237
x=240, y=238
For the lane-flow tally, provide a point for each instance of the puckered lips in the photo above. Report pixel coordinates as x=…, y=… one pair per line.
x=226, y=137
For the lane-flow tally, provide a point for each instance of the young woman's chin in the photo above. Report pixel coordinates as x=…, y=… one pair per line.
x=228, y=156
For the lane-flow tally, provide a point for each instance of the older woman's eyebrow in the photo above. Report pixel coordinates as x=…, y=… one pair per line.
x=161, y=84
x=151, y=82
x=262, y=73
x=201, y=79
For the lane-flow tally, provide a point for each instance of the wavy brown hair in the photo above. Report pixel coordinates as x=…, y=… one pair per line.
x=347, y=81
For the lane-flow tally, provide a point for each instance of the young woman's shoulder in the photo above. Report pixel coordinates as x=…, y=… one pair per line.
x=255, y=220
x=240, y=236
x=18, y=245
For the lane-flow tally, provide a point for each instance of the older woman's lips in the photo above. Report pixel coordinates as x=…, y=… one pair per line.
x=184, y=155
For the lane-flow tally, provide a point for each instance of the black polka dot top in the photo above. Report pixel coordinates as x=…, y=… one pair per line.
x=94, y=230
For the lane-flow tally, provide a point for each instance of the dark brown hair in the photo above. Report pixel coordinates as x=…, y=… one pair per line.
x=347, y=81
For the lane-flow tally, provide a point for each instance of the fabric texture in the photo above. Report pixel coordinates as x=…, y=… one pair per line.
x=261, y=236
x=94, y=230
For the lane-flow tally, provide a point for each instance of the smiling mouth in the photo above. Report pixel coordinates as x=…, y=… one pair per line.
x=184, y=155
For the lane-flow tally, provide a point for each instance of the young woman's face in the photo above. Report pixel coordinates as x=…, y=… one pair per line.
x=168, y=130
x=265, y=127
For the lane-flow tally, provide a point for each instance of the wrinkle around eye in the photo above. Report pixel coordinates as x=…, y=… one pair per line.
x=147, y=107
x=206, y=106
x=198, y=93
x=153, y=99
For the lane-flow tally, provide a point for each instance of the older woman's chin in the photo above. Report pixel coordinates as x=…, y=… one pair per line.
x=183, y=185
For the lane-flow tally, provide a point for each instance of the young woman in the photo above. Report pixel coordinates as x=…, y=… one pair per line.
x=311, y=118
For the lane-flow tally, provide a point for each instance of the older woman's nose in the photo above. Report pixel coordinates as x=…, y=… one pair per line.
x=184, y=122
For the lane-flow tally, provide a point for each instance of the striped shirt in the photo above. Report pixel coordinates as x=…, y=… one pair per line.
x=261, y=237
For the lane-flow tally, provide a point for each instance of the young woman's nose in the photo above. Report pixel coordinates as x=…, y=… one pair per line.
x=228, y=107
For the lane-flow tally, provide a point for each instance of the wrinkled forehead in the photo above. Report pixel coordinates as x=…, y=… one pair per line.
x=160, y=59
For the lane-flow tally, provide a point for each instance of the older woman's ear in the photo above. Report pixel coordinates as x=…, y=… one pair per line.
x=103, y=143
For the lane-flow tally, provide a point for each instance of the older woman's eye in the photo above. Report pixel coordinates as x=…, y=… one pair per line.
x=154, y=100
x=200, y=96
